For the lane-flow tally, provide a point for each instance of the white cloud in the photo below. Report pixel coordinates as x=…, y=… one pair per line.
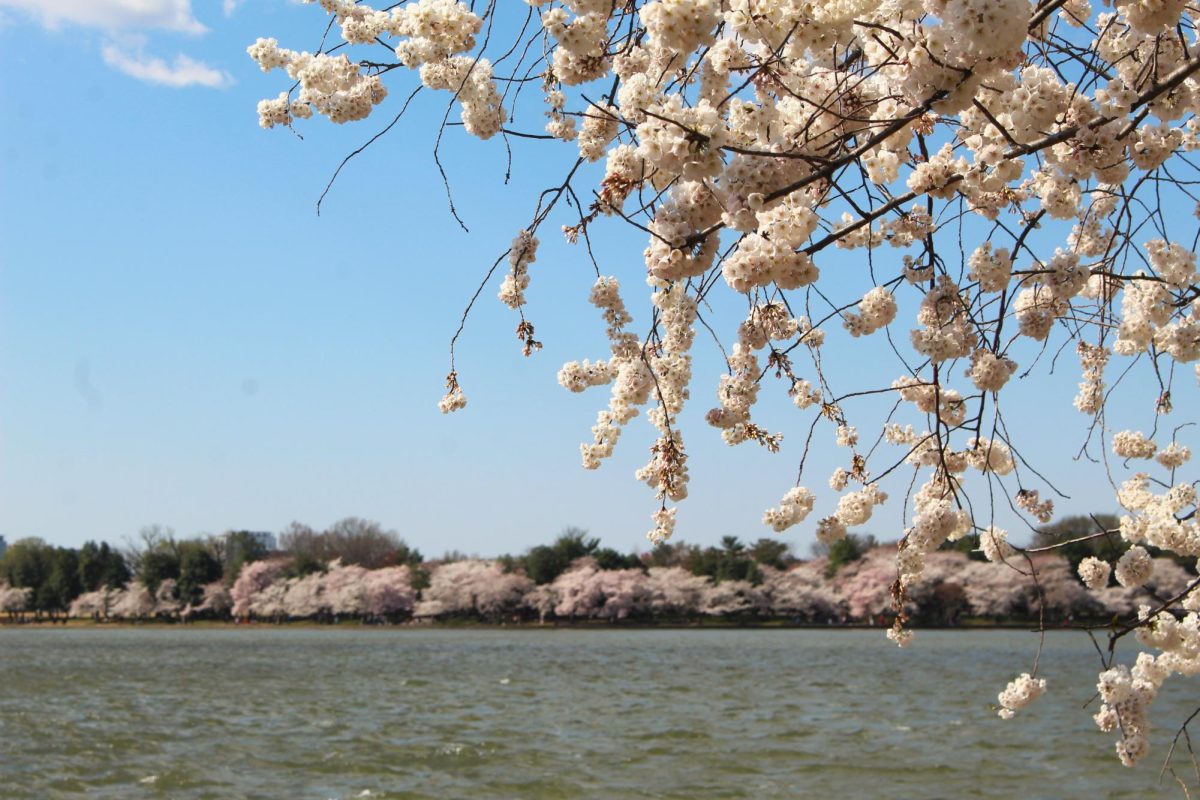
x=124, y=21
x=183, y=72
x=112, y=15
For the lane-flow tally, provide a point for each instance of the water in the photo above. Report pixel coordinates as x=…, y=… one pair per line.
x=334, y=713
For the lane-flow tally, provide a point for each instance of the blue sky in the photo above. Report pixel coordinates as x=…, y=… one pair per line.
x=183, y=341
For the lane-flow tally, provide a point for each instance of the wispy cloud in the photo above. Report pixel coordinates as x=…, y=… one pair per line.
x=112, y=15
x=229, y=6
x=125, y=21
x=184, y=71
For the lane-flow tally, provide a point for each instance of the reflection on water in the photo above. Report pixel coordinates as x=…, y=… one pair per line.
x=313, y=713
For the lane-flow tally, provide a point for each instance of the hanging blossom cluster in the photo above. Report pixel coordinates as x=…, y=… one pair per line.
x=522, y=253
x=1019, y=693
x=966, y=187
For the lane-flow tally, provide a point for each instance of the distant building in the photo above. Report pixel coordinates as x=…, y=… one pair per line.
x=264, y=538
x=3, y=545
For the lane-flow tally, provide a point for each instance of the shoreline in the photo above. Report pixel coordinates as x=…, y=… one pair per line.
x=470, y=625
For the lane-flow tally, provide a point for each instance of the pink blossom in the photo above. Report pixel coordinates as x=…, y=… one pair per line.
x=269, y=602
x=802, y=591
x=389, y=591
x=586, y=591
x=997, y=590
x=305, y=597
x=541, y=599
x=344, y=589
x=132, y=602
x=165, y=601
x=866, y=584
x=88, y=604
x=216, y=600
x=13, y=599
x=472, y=587
x=729, y=598
x=253, y=579
x=674, y=590
x=1168, y=579
x=579, y=595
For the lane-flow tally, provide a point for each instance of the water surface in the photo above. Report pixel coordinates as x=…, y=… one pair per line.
x=388, y=713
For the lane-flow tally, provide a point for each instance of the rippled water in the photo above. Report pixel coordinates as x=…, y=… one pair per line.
x=336, y=713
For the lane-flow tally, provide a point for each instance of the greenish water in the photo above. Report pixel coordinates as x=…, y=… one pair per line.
x=312, y=713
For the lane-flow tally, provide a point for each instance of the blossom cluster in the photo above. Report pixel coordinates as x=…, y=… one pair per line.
x=1003, y=172
x=1019, y=693
x=522, y=253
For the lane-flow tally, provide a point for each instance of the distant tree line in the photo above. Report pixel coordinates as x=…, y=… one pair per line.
x=356, y=568
x=46, y=580
x=52, y=577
